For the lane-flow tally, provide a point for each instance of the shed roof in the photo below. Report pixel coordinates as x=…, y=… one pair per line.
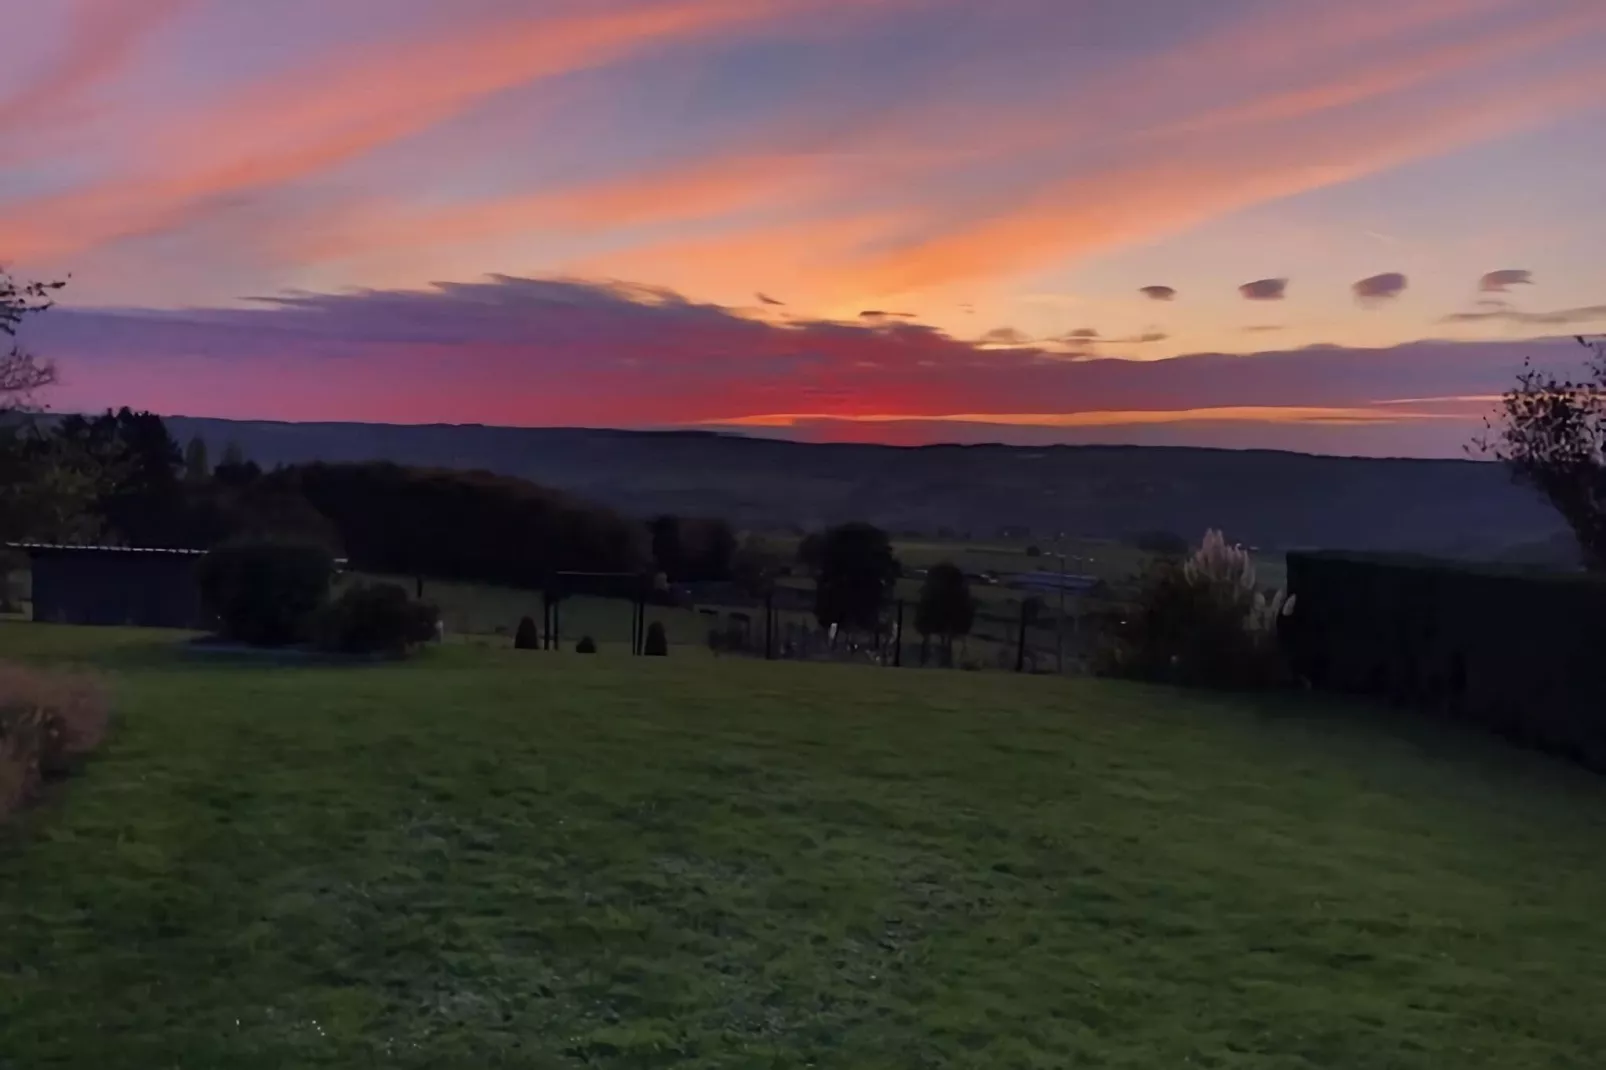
x=32, y=547
x=74, y=548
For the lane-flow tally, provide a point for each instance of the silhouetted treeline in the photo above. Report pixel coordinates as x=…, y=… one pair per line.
x=142, y=489
x=462, y=525
x=693, y=549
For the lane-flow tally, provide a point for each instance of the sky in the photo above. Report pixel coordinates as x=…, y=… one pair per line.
x=1332, y=227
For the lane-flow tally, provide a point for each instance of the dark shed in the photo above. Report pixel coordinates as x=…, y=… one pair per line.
x=116, y=585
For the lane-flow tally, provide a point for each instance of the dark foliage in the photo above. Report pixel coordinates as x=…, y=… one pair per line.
x=144, y=504
x=462, y=525
x=526, y=636
x=857, y=571
x=21, y=374
x=656, y=644
x=265, y=593
x=586, y=645
x=809, y=551
x=1513, y=650
x=378, y=618
x=946, y=608
x=1552, y=435
x=692, y=550
x=1034, y=551
x=1178, y=632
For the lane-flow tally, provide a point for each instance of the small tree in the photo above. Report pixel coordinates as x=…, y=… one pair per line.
x=526, y=637
x=1552, y=436
x=586, y=645
x=197, y=469
x=656, y=645
x=857, y=571
x=946, y=608
x=49, y=488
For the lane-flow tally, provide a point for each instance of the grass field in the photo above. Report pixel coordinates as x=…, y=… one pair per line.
x=484, y=859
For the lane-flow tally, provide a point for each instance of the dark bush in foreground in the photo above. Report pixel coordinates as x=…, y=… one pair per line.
x=586, y=645
x=656, y=645
x=526, y=637
x=48, y=722
x=265, y=593
x=378, y=618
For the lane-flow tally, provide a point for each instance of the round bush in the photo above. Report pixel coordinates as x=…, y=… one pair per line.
x=376, y=618
x=264, y=593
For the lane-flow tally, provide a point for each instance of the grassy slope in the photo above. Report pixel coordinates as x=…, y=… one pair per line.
x=490, y=859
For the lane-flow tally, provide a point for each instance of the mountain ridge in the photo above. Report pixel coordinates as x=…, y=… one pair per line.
x=1270, y=497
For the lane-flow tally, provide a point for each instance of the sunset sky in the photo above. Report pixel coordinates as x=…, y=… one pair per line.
x=1319, y=225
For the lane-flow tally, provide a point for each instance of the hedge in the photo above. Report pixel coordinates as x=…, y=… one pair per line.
x=1517, y=651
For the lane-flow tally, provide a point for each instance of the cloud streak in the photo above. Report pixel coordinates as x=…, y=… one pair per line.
x=1562, y=317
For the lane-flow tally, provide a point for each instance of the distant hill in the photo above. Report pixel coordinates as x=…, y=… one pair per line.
x=1268, y=498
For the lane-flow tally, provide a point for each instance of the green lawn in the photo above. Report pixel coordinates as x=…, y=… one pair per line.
x=486, y=859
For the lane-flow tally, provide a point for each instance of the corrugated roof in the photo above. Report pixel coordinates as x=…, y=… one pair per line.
x=103, y=549
x=80, y=548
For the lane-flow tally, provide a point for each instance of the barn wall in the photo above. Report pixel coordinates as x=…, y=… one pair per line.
x=142, y=590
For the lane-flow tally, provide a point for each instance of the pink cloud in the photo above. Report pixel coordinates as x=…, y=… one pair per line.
x=543, y=352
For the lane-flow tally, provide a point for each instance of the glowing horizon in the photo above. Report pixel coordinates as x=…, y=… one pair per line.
x=774, y=215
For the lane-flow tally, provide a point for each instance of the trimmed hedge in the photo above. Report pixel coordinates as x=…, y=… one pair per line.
x=1517, y=651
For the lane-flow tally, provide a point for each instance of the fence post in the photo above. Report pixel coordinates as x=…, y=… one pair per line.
x=1020, y=646
x=897, y=639
x=769, y=623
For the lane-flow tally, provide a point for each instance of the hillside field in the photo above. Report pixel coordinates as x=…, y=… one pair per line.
x=489, y=859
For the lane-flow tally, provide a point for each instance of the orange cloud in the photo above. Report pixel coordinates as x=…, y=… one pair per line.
x=311, y=119
x=1163, y=190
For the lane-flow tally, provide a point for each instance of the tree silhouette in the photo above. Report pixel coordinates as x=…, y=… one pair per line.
x=21, y=374
x=1552, y=435
x=856, y=572
x=197, y=469
x=946, y=609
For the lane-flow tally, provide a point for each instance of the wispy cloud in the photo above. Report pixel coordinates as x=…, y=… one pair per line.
x=1562, y=317
x=103, y=39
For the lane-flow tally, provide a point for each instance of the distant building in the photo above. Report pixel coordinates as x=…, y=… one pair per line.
x=116, y=585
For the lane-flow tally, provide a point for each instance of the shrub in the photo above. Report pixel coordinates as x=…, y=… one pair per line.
x=1202, y=622
x=379, y=618
x=586, y=645
x=527, y=637
x=48, y=723
x=265, y=592
x=656, y=644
